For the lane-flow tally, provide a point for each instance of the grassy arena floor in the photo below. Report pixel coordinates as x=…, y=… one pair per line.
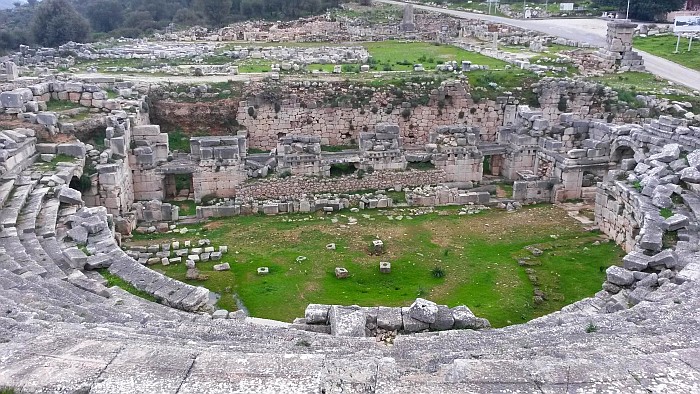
x=478, y=253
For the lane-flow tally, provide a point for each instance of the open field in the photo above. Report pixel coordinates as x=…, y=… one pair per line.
x=386, y=56
x=664, y=46
x=478, y=254
x=401, y=56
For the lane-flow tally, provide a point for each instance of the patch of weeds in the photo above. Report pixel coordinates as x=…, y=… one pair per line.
x=670, y=239
x=591, y=328
x=303, y=343
x=60, y=158
x=253, y=151
x=637, y=185
x=438, y=272
x=422, y=166
x=113, y=280
x=285, y=174
x=666, y=213
x=342, y=169
x=61, y=105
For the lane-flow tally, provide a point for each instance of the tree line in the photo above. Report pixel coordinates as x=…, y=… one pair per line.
x=54, y=22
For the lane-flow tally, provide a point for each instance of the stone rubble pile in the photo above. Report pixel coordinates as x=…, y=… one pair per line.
x=305, y=204
x=428, y=196
x=356, y=321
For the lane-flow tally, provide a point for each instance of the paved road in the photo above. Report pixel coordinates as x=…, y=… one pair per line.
x=591, y=31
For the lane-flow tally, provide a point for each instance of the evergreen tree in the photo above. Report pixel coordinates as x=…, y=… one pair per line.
x=647, y=10
x=56, y=22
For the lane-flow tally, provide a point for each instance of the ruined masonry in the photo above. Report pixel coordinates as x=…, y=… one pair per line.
x=62, y=329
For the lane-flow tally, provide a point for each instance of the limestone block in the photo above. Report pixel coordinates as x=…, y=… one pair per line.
x=443, y=319
x=389, y=318
x=317, y=313
x=347, y=321
x=619, y=276
x=423, y=310
x=411, y=325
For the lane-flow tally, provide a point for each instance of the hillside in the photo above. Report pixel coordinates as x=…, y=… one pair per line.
x=8, y=4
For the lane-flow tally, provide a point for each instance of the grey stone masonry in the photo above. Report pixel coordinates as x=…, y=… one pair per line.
x=355, y=321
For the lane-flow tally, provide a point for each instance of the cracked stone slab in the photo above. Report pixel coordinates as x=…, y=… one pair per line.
x=125, y=374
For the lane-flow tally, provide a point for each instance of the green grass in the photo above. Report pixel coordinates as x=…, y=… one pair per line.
x=401, y=56
x=507, y=80
x=666, y=213
x=397, y=197
x=507, y=188
x=61, y=158
x=337, y=148
x=113, y=280
x=478, y=262
x=664, y=46
x=178, y=140
x=632, y=83
x=187, y=207
x=61, y=105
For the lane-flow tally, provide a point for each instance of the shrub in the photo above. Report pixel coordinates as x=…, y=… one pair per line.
x=251, y=111
x=563, y=101
x=438, y=272
x=85, y=183
x=406, y=113
x=637, y=185
x=278, y=107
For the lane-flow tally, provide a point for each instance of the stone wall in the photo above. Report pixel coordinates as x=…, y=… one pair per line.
x=532, y=191
x=341, y=126
x=618, y=214
x=295, y=186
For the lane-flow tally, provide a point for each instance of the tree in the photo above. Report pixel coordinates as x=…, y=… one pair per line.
x=105, y=15
x=56, y=22
x=647, y=10
x=32, y=3
x=216, y=11
x=187, y=17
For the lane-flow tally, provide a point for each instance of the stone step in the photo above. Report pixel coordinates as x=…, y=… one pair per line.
x=36, y=251
x=100, y=362
x=14, y=248
x=8, y=263
x=10, y=212
x=33, y=308
x=48, y=218
x=53, y=249
x=5, y=191
x=30, y=211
